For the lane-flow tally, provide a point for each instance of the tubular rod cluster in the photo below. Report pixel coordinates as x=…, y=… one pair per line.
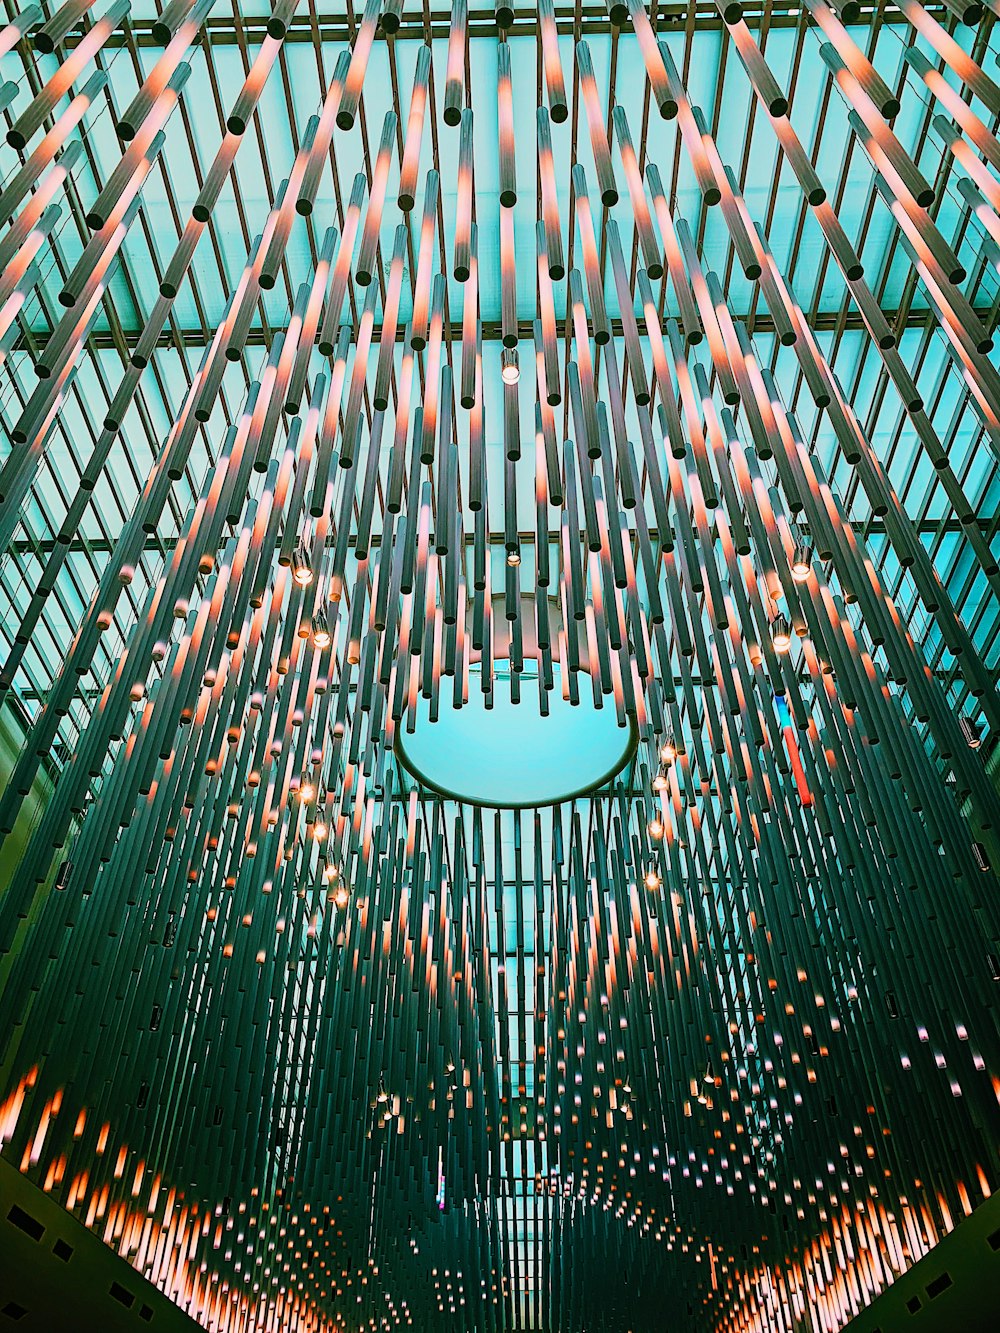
x=315, y=1047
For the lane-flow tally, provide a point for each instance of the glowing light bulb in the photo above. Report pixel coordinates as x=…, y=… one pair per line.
x=301, y=568
x=655, y=829
x=341, y=898
x=781, y=634
x=510, y=369
x=970, y=732
x=802, y=558
x=307, y=791
x=653, y=880
x=668, y=750
x=320, y=629
x=319, y=831
x=514, y=558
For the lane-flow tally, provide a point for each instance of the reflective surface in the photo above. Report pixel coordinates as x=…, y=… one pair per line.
x=511, y=755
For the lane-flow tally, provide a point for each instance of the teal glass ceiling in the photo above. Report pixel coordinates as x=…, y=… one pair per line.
x=746, y=143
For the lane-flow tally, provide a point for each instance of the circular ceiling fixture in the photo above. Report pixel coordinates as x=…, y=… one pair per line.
x=512, y=755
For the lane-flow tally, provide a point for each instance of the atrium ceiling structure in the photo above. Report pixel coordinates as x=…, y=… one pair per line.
x=499, y=610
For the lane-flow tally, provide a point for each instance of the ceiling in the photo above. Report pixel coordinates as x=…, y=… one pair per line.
x=317, y=1038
